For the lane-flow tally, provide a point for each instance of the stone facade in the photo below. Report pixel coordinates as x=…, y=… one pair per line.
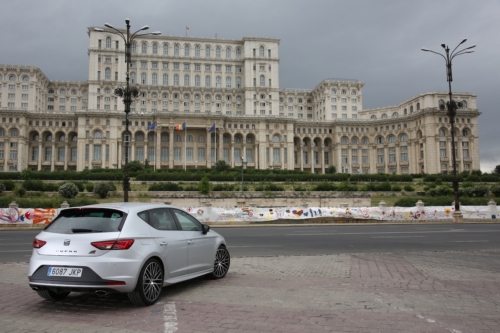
x=234, y=84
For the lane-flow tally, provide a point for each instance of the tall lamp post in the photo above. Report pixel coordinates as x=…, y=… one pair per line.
x=127, y=93
x=451, y=107
x=243, y=163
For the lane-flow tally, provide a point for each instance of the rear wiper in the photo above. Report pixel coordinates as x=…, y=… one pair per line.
x=84, y=230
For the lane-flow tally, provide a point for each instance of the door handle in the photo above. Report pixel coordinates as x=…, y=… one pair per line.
x=190, y=242
x=163, y=243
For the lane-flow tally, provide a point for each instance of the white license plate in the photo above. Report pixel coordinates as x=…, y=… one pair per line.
x=65, y=271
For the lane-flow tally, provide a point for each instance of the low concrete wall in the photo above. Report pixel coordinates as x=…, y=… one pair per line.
x=257, y=199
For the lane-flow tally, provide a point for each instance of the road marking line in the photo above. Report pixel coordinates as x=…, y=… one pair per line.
x=392, y=232
x=399, y=237
x=18, y=251
x=471, y=241
x=255, y=246
x=170, y=317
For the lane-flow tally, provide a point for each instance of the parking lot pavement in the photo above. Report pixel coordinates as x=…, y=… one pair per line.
x=452, y=292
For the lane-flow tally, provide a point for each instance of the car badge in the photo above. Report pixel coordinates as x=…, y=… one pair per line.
x=66, y=242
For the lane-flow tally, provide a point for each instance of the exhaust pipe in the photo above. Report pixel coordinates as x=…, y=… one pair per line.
x=101, y=293
x=35, y=288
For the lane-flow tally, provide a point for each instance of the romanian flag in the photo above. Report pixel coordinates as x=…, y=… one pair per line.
x=180, y=127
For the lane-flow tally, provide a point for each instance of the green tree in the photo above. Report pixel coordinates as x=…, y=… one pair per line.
x=134, y=166
x=331, y=169
x=204, y=186
x=102, y=190
x=222, y=166
x=26, y=174
x=497, y=169
x=68, y=190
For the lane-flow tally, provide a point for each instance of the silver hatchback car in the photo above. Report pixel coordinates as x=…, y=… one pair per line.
x=134, y=248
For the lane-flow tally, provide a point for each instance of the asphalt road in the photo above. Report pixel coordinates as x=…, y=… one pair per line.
x=15, y=245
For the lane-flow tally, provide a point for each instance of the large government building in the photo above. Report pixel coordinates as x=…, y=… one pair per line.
x=234, y=84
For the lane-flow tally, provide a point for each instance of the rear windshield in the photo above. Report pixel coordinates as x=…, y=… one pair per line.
x=76, y=221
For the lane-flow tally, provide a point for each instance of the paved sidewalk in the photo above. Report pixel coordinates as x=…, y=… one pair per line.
x=452, y=292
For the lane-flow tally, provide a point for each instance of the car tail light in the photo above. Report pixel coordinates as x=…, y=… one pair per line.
x=115, y=283
x=119, y=244
x=38, y=243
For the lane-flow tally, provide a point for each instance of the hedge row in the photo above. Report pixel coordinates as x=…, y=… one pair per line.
x=440, y=201
x=46, y=202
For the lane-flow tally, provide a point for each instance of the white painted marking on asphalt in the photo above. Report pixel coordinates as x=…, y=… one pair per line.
x=471, y=241
x=393, y=232
x=18, y=251
x=255, y=246
x=399, y=237
x=170, y=317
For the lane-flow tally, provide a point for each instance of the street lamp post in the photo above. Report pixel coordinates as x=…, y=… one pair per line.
x=451, y=107
x=127, y=93
x=243, y=163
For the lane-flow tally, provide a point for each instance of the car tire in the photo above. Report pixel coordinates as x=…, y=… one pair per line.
x=149, y=284
x=222, y=263
x=53, y=296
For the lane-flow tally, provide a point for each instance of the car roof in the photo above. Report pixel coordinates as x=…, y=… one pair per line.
x=127, y=207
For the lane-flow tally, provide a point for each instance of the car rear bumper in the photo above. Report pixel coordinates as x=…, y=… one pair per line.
x=99, y=273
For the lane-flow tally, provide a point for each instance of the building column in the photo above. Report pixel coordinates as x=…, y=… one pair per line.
x=301, y=157
x=40, y=152
x=171, y=148
x=221, y=152
x=208, y=153
x=322, y=159
x=66, y=155
x=120, y=154
x=53, y=159
x=158, y=148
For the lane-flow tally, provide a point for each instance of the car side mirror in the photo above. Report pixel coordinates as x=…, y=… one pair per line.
x=205, y=228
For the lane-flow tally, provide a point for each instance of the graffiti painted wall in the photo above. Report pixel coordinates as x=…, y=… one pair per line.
x=253, y=214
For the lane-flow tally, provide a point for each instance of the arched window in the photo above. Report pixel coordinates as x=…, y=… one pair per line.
x=373, y=116
x=261, y=51
x=218, y=82
x=165, y=137
x=262, y=81
x=343, y=140
x=364, y=141
x=228, y=82
x=464, y=104
x=107, y=74
x=74, y=92
x=144, y=48
x=154, y=78
x=207, y=51
x=380, y=140
x=403, y=138
x=151, y=137
x=186, y=80
x=62, y=92
x=225, y=139
x=139, y=137
x=333, y=92
x=249, y=140
x=197, y=81
x=465, y=132
x=228, y=53
x=177, y=138
x=384, y=115
x=218, y=97
x=418, y=106
x=344, y=92
x=176, y=79
x=300, y=100
x=395, y=114
x=391, y=139
x=238, y=53
x=411, y=109
x=62, y=138
x=155, y=48
x=143, y=78
x=201, y=138
x=74, y=138
x=217, y=52
x=208, y=97
x=108, y=42
x=207, y=81
x=186, y=96
x=35, y=137
x=186, y=50
x=442, y=132
x=48, y=137
x=405, y=112
x=189, y=138
x=26, y=78
x=176, y=49
x=276, y=138
x=165, y=79
x=97, y=135
x=353, y=92
x=12, y=77
x=237, y=139
x=165, y=49
x=14, y=132
x=354, y=141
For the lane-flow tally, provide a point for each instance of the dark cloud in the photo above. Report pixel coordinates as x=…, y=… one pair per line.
x=377, y=42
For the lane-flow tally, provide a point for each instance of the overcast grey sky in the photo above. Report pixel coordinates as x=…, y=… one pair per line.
x=376, y=42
